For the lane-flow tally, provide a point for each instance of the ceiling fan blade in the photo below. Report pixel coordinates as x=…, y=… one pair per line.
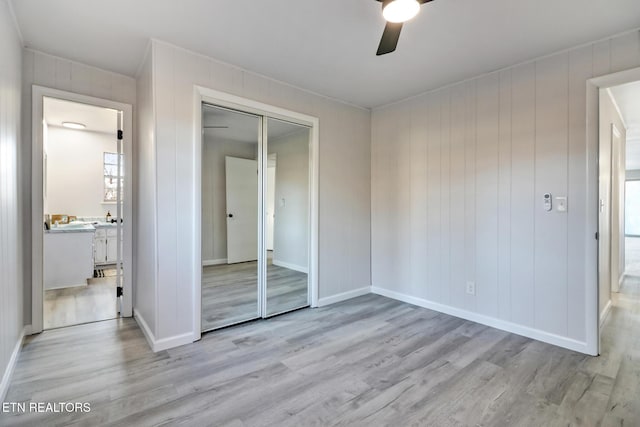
x=424, y=1
x=390, y=38
x=216, y=127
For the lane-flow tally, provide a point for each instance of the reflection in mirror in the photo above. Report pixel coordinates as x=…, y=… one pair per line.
x=229, y=217
x=287, y=211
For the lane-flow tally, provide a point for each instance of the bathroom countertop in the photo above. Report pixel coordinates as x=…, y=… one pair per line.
x=72, y=228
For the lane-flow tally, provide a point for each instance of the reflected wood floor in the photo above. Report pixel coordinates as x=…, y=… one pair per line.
x=369, y=361
x=230, y=292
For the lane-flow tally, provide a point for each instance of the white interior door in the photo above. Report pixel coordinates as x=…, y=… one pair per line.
x=242, y=209
x=604, y=223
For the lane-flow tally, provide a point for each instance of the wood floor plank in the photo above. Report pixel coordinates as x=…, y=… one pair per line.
x=369, y=361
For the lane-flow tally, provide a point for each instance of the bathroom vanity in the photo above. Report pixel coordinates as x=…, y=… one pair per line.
x=68, y=255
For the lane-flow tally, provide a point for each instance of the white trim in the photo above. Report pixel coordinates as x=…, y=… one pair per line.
x=13, y=360
x=620, y=116
x=592, y=312
x=164, y=343
x=604, y=314
x=503, y=325
x=38, y=93
x=343, y=296
x=300, y=268
x=223, y=99
x=209, y=262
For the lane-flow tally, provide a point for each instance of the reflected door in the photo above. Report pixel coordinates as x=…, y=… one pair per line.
x=242, y=209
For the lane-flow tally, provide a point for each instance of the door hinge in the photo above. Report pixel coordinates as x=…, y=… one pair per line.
x=120, y=135
x=118, y=291
x=596, y=235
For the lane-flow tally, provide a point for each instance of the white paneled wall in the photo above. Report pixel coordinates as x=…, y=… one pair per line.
x=59, y=73
x=345, y=162
x=458, y=176
x=11, y=281
x=145, y=252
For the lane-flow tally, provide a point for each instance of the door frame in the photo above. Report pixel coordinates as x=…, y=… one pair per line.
x=226, y=100
x=37, y=204
x=592, y=312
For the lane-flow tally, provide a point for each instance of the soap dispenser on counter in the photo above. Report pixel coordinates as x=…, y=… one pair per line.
x=108, y=219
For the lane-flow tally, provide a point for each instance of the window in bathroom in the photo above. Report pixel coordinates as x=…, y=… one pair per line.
x=111, y=177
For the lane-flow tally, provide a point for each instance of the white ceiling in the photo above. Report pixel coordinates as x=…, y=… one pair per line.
x=96, y=119
x=327, y=46
x=627, y=98
x=242, y=127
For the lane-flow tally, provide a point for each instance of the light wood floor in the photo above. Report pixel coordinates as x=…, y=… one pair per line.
x=230, y=292
x=81, y=304
x=370, y=361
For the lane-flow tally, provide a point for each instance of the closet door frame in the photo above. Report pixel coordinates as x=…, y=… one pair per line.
x=226, y=100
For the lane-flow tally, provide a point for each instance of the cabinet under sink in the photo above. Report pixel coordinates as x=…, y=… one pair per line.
x=105, y=246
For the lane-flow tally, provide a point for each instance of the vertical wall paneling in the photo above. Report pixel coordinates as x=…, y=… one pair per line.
x=445, y=196
x=580, y=70
x=487, y=156
x=403, y=197
x=470, y=168
x=457, y=196
x=418, y=155
x=522, y=194
x=433, y=214
x=504, y=197
x=551, y=177
x=167, y=192
x=494, y=145
x=11, y=239
x=145, y=301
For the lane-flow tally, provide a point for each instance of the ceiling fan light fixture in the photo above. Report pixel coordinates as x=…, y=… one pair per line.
x=397, y=11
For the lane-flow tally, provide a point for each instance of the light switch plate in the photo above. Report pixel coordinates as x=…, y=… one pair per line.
x=561, y=204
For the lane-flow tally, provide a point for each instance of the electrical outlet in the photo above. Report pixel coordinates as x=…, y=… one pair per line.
x=471, y=288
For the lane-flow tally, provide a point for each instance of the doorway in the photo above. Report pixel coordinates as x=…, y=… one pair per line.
x=80, y=199
x=256, y=216
x=619, y=195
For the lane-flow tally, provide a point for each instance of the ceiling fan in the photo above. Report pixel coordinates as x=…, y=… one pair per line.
x=396, y=12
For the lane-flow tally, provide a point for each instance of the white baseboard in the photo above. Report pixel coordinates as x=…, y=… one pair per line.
x=514, y=328
x=290, y=266
x=163, y=343
x=13, y=360
x=209, y=262
x=605, y=313
x=344, y=296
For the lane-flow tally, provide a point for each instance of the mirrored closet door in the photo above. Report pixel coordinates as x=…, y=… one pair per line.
x=230, y=213
x=287, y=217
x=255, y=216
